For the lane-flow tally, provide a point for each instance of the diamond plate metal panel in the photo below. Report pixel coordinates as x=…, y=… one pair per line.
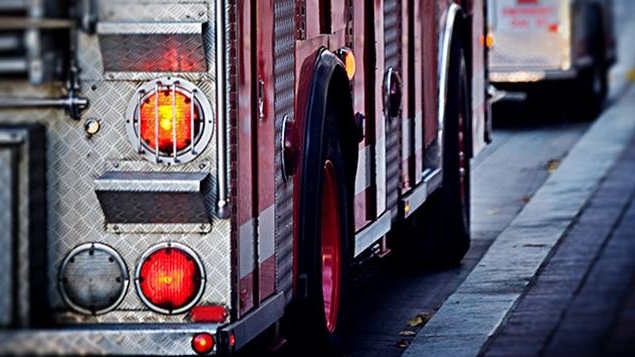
x=6, y=235
x=89, y=55
x=284, y=98
x=152, y=47
x=392, y=33
x=27, y=239
x=153, y=340
x=75, y=160
x=127, y=11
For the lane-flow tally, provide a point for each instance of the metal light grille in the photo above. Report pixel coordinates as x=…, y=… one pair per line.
x=169, y=121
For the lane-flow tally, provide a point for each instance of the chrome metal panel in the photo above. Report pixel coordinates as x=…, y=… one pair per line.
x=392, y=59
x=152, y=197
x=157, y=340
x=117, y=10
x=7, y=216
x=167, y=182
x=89, y=54
x=75, y=160
x=284, y=71
x=392, y=33
x=24, y=145
x=368, y=236
x=152, y=46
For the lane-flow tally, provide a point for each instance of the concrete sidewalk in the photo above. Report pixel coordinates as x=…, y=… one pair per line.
x=582, y=302
x=576, y=198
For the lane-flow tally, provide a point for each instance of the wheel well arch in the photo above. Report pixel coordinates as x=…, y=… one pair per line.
x=457, y=28
x=325, y=80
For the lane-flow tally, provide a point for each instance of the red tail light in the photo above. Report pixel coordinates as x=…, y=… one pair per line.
x=170, y=279
x=166, y=116
x=203, y=343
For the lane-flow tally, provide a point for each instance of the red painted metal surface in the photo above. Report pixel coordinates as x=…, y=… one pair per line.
x=245, y=141
x=265, y=136
x=331, y=247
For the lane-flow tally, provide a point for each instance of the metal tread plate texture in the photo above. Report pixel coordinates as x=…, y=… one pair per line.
x=284, y=98
x=75, y=160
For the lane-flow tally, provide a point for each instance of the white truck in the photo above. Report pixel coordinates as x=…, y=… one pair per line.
x=565, y=47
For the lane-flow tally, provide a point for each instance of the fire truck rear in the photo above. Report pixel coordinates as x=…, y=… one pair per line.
x=182, y=177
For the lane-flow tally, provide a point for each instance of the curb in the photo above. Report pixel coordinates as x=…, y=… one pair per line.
x=473, y=313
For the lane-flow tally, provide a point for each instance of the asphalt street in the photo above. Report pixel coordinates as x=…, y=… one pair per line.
x=529, y=186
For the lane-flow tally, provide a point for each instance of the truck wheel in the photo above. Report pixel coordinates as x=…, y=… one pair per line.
x=444, y=219
x=593, y=81
x=321, y=321
x=451, y=232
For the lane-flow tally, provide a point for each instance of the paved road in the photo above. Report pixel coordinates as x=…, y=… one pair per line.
x=581, y=303
x=390, y=302
x=580, y=307
x=388, y=298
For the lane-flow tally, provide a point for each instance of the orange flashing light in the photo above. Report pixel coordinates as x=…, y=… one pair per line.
x=489, y=40
x=348, y=58
x=174, y=114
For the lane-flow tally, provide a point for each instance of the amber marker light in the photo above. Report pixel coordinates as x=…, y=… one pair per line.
x=489, y=40
x=174, y=127
x=203, y=343
x=348, y=58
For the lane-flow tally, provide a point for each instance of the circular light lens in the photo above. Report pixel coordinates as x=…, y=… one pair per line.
x=169, y=121
x=203, y=343
x=168, y=113
x=170, y=278
x=93, y=279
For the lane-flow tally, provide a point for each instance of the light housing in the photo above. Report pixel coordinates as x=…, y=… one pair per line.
x=170, y=278
x=203, y=343
x=347, y=57
x=169, y=121
x=93, y=279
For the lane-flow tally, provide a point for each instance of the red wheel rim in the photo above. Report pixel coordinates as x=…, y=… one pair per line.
x=330, y=228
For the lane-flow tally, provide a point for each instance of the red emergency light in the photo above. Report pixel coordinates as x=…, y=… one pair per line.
x=169, y=280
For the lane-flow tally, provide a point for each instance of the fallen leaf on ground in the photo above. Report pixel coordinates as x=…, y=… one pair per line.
x=553, y=165
x=402, y=343
x=420, y=319
x=407, y=333
x=526, y=199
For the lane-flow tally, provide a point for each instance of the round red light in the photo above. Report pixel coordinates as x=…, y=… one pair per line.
x=170, y=280
x=168, y=114
x=203, y=343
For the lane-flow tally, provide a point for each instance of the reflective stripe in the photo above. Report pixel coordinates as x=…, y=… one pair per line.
x=362, y=177
x=246, y=247
x=380, y=148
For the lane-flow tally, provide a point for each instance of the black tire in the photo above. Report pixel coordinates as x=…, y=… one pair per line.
x=319, y=326
x=592, y=82
x=444, y=219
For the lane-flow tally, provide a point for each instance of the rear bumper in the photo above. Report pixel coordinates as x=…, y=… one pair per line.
x=141, y=339
x=146, y=339
x=531, y=75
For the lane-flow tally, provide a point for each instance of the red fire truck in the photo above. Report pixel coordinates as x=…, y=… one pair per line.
x=181, y=177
